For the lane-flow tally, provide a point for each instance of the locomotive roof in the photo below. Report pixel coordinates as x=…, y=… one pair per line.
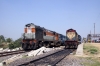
x=71, y=30
x=28, y=25
x=32, y=24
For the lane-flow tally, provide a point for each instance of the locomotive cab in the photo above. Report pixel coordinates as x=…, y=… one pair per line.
x=29, y=31
x=28, y=36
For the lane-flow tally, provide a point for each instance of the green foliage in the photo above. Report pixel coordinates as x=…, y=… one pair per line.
x=2, y=39
x=15, y=44
x=9, y=40
x=93, y=51
x=4, y=43
x=11, y=46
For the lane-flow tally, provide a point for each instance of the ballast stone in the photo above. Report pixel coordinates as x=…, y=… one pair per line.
x=1, y=64
x=31, y=53
x=15, y=57
x=1, y=49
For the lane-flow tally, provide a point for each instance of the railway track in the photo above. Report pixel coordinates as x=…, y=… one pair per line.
x=50, y=60
x=11, y=53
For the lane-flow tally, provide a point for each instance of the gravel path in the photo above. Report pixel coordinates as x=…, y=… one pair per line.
x=72, y=60
x=5, y=57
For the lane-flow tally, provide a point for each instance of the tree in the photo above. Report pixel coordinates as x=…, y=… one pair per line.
x=2, y=39
x=17, y=42
x=9, y=40
x=11, y=46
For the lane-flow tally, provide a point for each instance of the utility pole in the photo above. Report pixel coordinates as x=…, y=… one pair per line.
x=90, y=36
x=90, y=32
x=94, y=30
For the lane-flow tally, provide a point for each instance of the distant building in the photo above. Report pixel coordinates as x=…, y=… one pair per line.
x=84, y=40
x=89, y=38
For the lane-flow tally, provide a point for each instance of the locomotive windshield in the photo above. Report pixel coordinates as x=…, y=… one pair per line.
x=70, y=35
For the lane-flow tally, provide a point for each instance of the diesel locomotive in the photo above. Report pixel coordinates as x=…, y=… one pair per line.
x=73, y=39
x=35, y=37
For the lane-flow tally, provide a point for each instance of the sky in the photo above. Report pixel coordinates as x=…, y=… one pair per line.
x=55, y=15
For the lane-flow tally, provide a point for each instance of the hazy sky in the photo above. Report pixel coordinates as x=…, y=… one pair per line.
x=56, y=15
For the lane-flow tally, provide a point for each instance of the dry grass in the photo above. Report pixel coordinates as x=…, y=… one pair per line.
x=94, y=61
x=92, y=52
x=96, y=44
x=91, y=49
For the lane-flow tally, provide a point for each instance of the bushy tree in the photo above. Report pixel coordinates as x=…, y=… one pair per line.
x=2, y=39
x=17, y=42
x=9, y=40
x=11, y=46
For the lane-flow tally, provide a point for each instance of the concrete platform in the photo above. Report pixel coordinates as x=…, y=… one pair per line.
x=79, y=51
